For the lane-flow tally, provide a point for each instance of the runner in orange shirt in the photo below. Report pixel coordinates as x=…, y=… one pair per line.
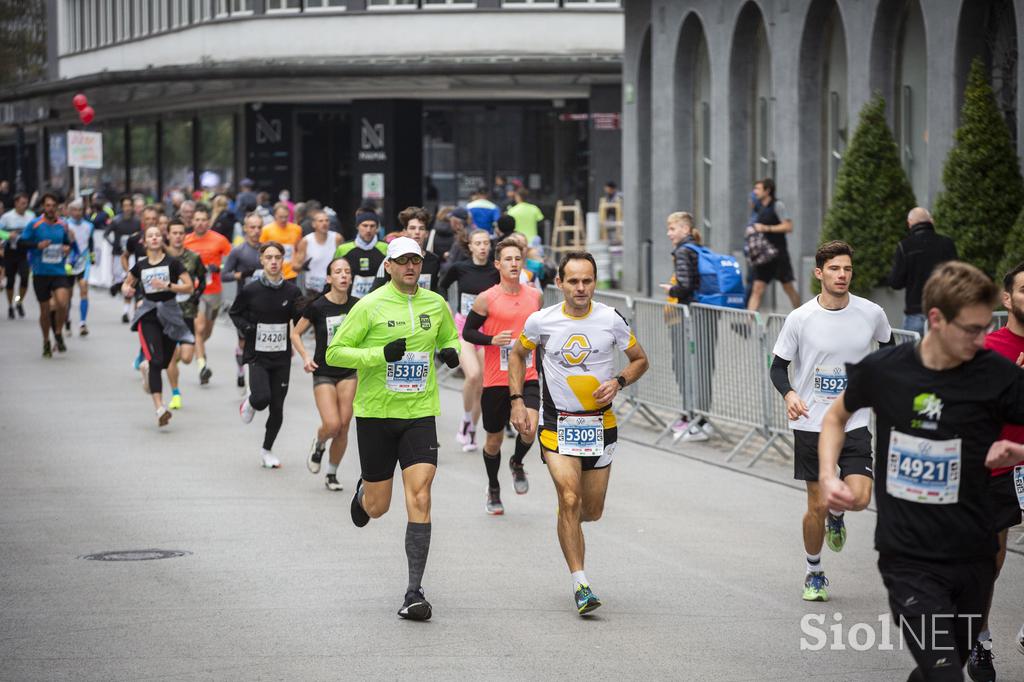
x=286, y=234
x=212, y=248
x=495, y=322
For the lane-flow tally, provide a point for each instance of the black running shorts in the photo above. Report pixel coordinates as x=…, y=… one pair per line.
x=854, y=458
x=386, y=442
x=496, y=407
x=1006, y=511
x=45, y=285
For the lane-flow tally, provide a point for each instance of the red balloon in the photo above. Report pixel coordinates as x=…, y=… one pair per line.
x=87, y=115
x=80, y=101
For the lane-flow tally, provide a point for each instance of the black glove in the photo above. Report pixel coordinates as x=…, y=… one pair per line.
x=394, y=351
x=450, y=357
x=213, y=267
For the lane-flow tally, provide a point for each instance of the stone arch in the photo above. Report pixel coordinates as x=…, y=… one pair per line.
x=692, y=112
x=750, y=113
x=988, y=29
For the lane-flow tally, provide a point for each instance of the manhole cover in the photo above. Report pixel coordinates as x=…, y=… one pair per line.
x=136, y=555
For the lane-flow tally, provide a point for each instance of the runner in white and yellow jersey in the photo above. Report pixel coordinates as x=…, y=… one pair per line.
x=577, y=340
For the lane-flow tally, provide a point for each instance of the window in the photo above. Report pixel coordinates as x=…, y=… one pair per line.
x=217, y=152
x=439, y=4
x=140, y=17
x=202, y=10
x=590, y=4
x=241, y=6
x=179, y=13
x=705, y=167
x=160, y=15
x=325, y=4
x=221, y=8
x=529, y=3
x=143, y=158
x=176, y=174
x=907, y=131
x=284, y=5
x=392, y=4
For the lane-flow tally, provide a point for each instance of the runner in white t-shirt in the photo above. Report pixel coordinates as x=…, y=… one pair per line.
x=819, y=338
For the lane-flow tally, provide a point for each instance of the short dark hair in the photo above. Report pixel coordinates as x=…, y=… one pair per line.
x=266, y=245
x=20, y=195
x=611, y=183
x=575, y=255
x=414, y=212
x=523, y=193
x=126, y=197
x=201, y=208
x=49, y=195
x=830, y=250
x=1011, y=276
x=768, y=184
x=506, y=225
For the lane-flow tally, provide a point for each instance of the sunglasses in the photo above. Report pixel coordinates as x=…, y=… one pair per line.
x=405, y=260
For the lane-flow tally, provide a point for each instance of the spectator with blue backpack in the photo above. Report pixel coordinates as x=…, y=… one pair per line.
x=684, y=287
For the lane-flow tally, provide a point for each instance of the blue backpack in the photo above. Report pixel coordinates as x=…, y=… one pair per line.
x=721, y=280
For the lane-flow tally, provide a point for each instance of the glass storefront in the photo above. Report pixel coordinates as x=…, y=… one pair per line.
x=176, y=169
x=143, y=175
x=466, y=145
x=111, y=178
x=216, y=153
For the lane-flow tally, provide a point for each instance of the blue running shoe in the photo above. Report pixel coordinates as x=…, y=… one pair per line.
x=586, y=601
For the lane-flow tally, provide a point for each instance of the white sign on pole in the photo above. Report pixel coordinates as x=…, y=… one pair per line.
x=373, y=185
x=85, y=149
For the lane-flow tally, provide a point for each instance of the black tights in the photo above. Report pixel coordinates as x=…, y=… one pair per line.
x=268, y=386
x=157, y=347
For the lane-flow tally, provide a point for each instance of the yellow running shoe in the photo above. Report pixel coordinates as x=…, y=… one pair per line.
x=175, y=403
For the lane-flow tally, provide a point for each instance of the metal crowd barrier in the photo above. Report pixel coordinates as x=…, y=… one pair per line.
x=999, y=319
x=710, y=362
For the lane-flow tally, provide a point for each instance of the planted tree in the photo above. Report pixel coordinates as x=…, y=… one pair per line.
x=871, y=200
x=983, y=192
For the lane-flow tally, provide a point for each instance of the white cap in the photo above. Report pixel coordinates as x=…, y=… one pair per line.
x=403, y=246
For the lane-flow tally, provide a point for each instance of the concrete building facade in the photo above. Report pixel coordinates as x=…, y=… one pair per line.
x=720, y=93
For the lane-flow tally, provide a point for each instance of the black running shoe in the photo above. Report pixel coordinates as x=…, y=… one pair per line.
x=67, y=325
x=10, y=313
x=61, y=348
x=47, y=352
x=124, y=318
x=359, y=515
x=241, y=381
x=979, y=663
x=332, y=483
x=114, y=289
x=519, y=481
x=204, y=376
x=21, y=311
x=416, y=607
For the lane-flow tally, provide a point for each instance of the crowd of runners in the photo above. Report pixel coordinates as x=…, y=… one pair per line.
x=370, y=321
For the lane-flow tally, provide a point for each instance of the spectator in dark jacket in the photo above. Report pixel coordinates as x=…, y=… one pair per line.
x=681, y=288
x=916, y=257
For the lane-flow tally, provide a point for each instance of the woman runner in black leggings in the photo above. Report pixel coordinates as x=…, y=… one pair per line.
x=158, y=320
x=264, y=311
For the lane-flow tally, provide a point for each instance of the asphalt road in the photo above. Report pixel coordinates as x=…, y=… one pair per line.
x=700, y=567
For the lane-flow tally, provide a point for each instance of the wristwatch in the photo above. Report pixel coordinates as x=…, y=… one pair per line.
x=621, y=380
x=517, y=396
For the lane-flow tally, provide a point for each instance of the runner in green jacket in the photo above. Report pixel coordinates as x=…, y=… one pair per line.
x=390, y=337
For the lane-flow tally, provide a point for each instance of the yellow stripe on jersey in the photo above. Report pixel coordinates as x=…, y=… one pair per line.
x=632, y=341
x=527, y=344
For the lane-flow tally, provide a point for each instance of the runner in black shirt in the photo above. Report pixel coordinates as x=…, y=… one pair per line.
x=123, y=225
x=334, y=388
x=263, y=311
x=473, y=276
x=158, y=319
x=414, y=222
x=940, y=406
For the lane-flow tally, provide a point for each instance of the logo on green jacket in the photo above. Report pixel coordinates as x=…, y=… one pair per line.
x=425, y=321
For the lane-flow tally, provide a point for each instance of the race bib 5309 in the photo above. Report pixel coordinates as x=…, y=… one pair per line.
x=581, y=435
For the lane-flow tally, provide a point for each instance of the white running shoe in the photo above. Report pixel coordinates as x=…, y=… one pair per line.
x=270, y=462
x=1020, y=640
x=695, y=434
x=246, y=411
x=470, y=444
x=163, y=415
x=460, y=435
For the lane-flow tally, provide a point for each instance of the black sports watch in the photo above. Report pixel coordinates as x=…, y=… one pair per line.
x=517, y=396
x=621, y=380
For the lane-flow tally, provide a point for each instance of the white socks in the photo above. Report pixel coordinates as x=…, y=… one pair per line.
x=332, y=469
x=814, y=563
x=579, y=578
x=836, y=514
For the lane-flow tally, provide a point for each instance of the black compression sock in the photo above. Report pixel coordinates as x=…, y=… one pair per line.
x=493, y=464
x=521, y=450
x=417, y=546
